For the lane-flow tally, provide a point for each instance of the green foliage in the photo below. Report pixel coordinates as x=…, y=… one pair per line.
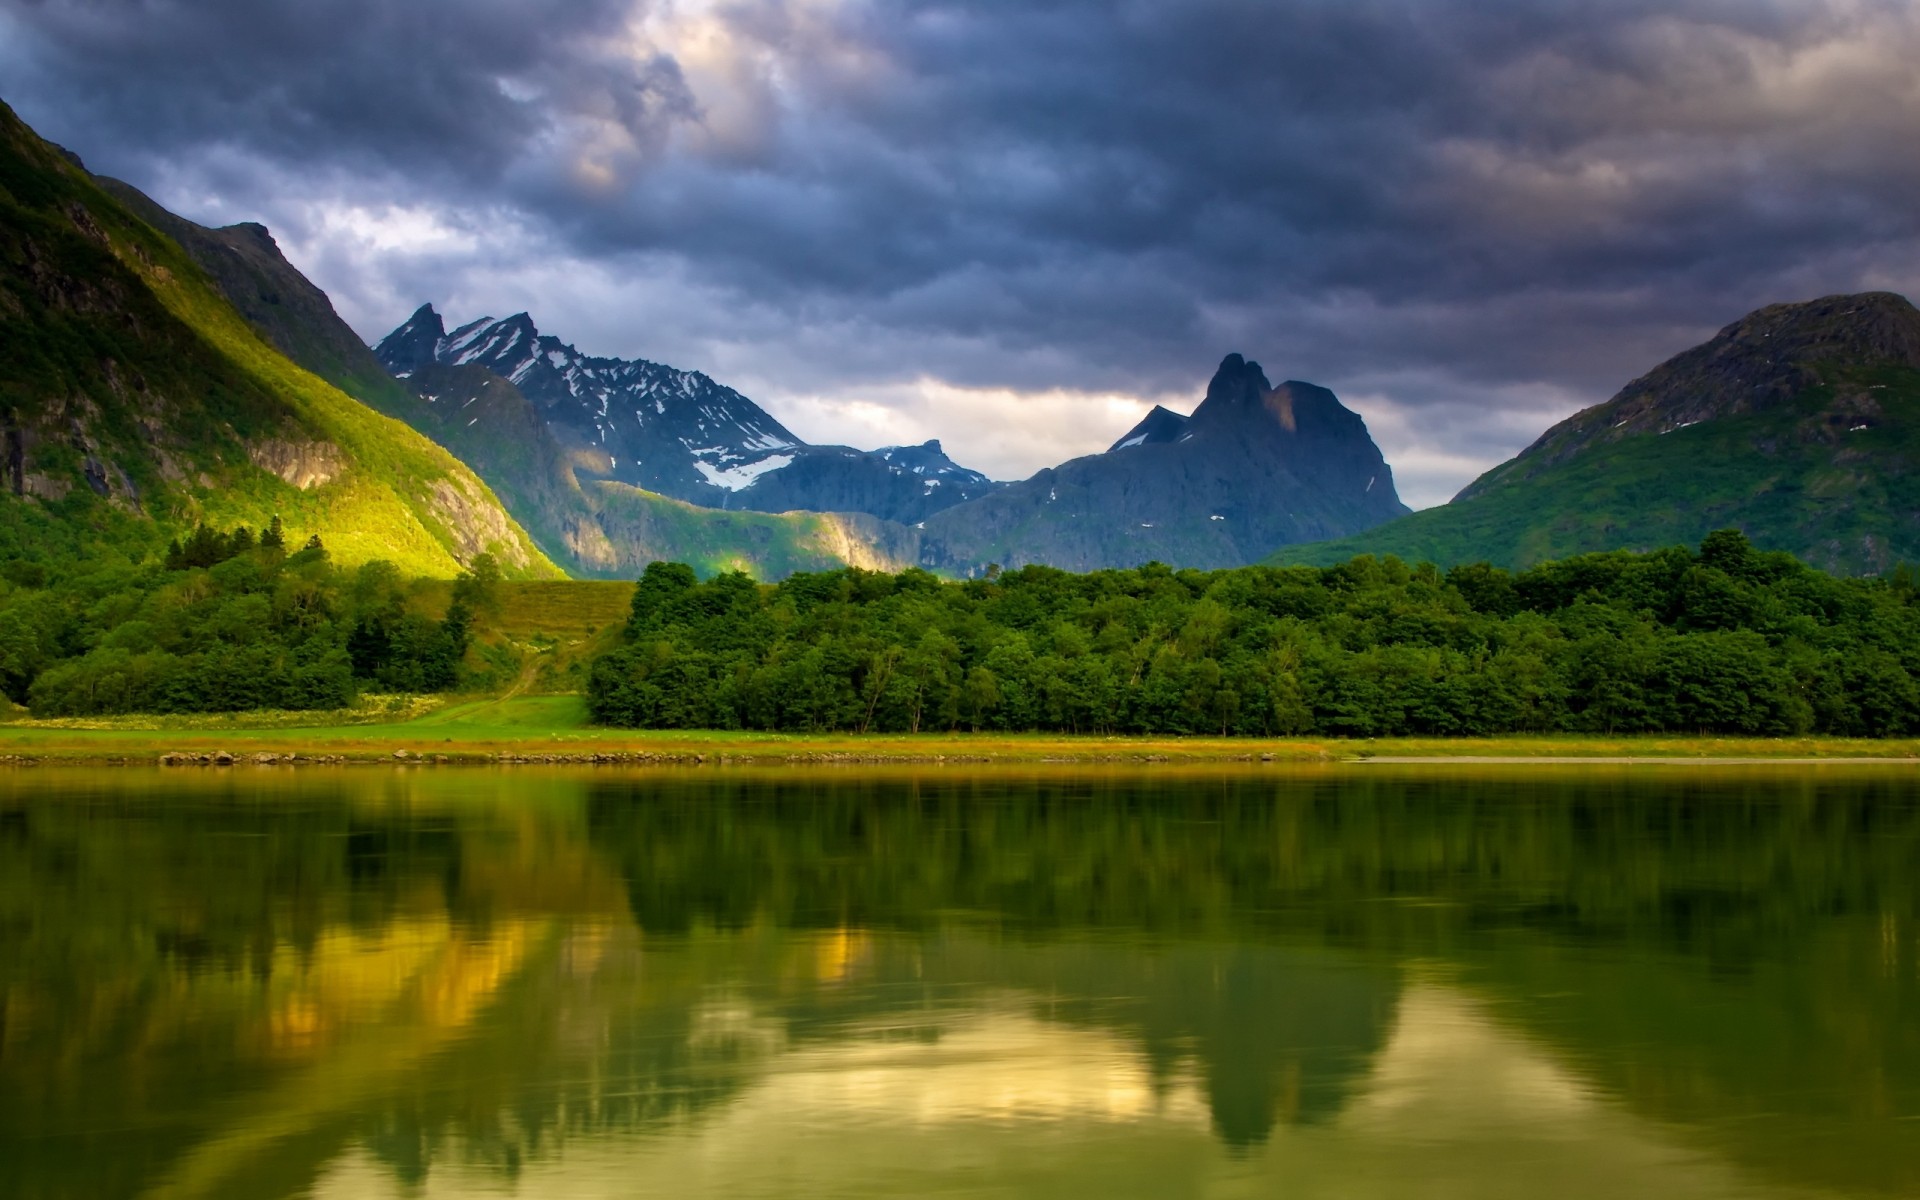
x=642, y=526
x=225, y=622
x=1730, y=640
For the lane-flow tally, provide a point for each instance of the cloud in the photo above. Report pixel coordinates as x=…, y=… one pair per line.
x=956, y=218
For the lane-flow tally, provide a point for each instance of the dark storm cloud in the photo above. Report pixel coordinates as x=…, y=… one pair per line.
x=1425, y=200
x=418, y=87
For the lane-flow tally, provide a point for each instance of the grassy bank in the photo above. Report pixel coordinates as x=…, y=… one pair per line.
x=554, y=728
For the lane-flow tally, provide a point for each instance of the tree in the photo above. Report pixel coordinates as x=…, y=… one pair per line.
x=660, y=585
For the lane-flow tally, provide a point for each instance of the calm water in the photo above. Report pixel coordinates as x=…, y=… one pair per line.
x=1353, y=983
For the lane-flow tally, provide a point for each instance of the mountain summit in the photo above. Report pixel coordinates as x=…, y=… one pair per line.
x=1255, y=466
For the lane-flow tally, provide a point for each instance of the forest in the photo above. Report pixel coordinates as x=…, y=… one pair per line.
x=1723, y=640
x=225, y=622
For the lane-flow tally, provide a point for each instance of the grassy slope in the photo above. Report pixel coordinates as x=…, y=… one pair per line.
x=112, y=328
x=767, y=545
x=1845, y=501
x=281, y=304
x=556, y=726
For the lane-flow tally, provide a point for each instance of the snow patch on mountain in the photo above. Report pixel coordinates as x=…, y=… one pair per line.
x=735, y=478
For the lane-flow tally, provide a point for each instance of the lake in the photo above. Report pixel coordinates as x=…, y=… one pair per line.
x=1351, y=981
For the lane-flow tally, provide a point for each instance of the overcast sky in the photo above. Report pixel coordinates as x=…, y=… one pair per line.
x=1015, y=225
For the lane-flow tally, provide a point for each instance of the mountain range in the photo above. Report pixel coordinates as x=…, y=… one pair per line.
x=591, y=526
x=674, y=432
x=161, y=373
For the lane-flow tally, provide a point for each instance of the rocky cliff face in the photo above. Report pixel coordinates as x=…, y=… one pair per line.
x=1254, y=467
x=677, y=432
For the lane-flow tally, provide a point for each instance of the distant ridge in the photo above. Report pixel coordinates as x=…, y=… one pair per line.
x=1798, y=424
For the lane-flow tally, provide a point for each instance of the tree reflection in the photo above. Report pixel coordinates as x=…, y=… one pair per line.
x=222, y=984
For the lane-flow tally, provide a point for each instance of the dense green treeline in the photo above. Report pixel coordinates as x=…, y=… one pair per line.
x=1725, y=640
x=224, y=622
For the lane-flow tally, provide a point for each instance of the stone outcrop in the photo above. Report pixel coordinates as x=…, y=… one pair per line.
x=305, y=464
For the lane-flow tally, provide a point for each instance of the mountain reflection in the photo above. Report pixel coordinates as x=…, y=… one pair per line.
x=265, y=983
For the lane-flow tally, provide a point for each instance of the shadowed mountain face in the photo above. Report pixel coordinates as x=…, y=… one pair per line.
x=1160, y=425
x=1798, y=424
x=679, y=433
x=1255, y=466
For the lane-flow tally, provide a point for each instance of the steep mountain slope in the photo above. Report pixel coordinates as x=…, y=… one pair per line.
x=677, y=432
x=600, y=527
x=283, y=306
x=1254, y=466
x=1798, y=424
x=136, y=401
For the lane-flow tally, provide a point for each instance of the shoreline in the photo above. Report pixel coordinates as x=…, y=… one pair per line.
x=551, y=730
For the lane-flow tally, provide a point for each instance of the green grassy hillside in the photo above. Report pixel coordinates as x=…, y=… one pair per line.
x=1822, y=466
x=136, y=402
x=645, y=527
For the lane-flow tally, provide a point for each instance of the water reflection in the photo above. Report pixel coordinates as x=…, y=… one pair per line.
x=270, y=983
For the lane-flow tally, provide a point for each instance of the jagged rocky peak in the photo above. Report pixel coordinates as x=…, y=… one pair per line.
x=510, y=347
x=658, y=427
x=415, y=344
x=1158, y=427
x=1241, y=403
x=1254, y=467
x=1237, y=381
